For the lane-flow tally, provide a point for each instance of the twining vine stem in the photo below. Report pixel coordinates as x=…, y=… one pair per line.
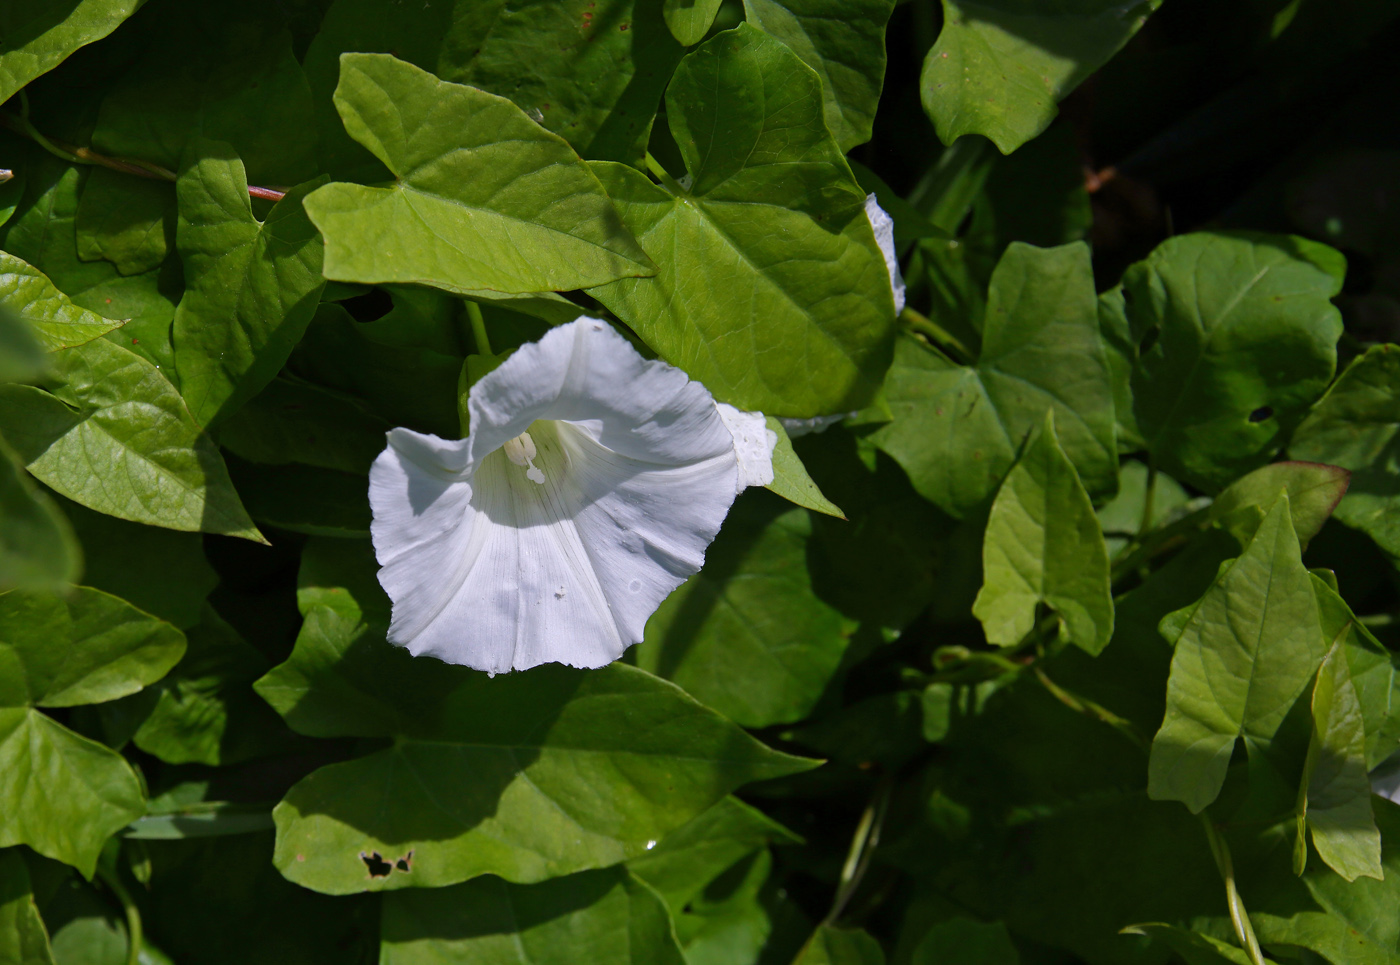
x=133, y=915
x=1244, y=931
x=75, y=154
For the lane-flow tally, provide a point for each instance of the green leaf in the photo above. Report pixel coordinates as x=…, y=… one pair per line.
x=21, y=355
x=1248, y=648
x=547, y=772
x=485, y=200
x=607, y=917
x=844, y=42
x=1356, y=425
x=689, y=20
x=1044, y=545
x=294, y=421
x=766, y=248
x=1244, y=341
x=304, y=499
x=44, y=234
x=1313, y=493
x=746, y=635
x=957, y=428
x=699, y=851
x=154, y=569
x=1121, y=517
x=37, y=37
x=23, y=939
x=1335, y=796
x=965, y=940
x=37, y=548
x=1122, y=353
x=64, y=795
x=219, y=71
x=252, y=286
x=999, y=66
x=205, y=711
x=591, y=71
x=830, y=945
x=1374, y=670
x=790, y=478
x=125, y=220
x=112, y=407
x=54, y=320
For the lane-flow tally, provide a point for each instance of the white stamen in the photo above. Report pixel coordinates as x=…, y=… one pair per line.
x=521, y=451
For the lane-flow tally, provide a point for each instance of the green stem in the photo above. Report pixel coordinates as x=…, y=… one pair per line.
x=133, y=914
x=1084, y=705
x=654, y=166
x=1149, y=497
x=1378, y=620
x=1239, y=917
x=483, y=344
x=940, y=336
x=863, y=845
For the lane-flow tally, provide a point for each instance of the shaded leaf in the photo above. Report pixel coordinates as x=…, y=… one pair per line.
x=23, y=939
x=484, y=197
x=294, y=421
x=999, y=66
x=1335, y=797
x=746, y=635
x=790, y=478
x=766, y=249
x=1245, y=340
x=1247, y=649
x=125, y=220
x=1044, y=546
x=581, y=917
x=252, y=287
x=830, y=945
x=39, y=36
x=844, y=42
x=1193, y=947
x=54, y=320
x=37, y=548
x=960, y=940
x=1356, y=425
x=112, y=407
x=21, y=355
x=957, y=428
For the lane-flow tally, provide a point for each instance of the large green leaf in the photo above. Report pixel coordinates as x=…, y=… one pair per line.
x=37, y=37
x=746, y=635
x=608, y=917
x=1044, y=546
x=54, y=320
x=844, y=42
x=591, y=71
x=127, y=221
x=110, y=407
x=1243, y=339
x=37, y=548
x=1247, y=650
x=769, y=271
x=293, y=421
x=484, y=197
x=1314, y=489
x=957, y=428
x=1356, y=425
x=62, y=794
x=23, y=940
x=252, y=286
x=791, y=479
x=1335, y=798
x=1000, y=66
x=216, y=71
x=528, y=776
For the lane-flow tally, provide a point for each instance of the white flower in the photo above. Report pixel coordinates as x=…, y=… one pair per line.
x=883, y=226
x=587, y=490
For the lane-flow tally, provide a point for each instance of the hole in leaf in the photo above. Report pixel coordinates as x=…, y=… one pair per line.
x=378, y=867
x=372, y=305
x=405, y=863
x=1261, y=413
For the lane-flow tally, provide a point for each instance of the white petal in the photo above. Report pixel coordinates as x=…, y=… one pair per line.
x=883, y=226
x=753, y=445
x=489, y=567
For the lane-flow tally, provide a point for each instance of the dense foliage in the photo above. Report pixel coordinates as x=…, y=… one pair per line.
x=1092, y=664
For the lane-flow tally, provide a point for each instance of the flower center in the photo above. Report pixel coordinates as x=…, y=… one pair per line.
x=521, y=451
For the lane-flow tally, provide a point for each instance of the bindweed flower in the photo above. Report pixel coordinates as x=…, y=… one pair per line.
x=588, y=488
